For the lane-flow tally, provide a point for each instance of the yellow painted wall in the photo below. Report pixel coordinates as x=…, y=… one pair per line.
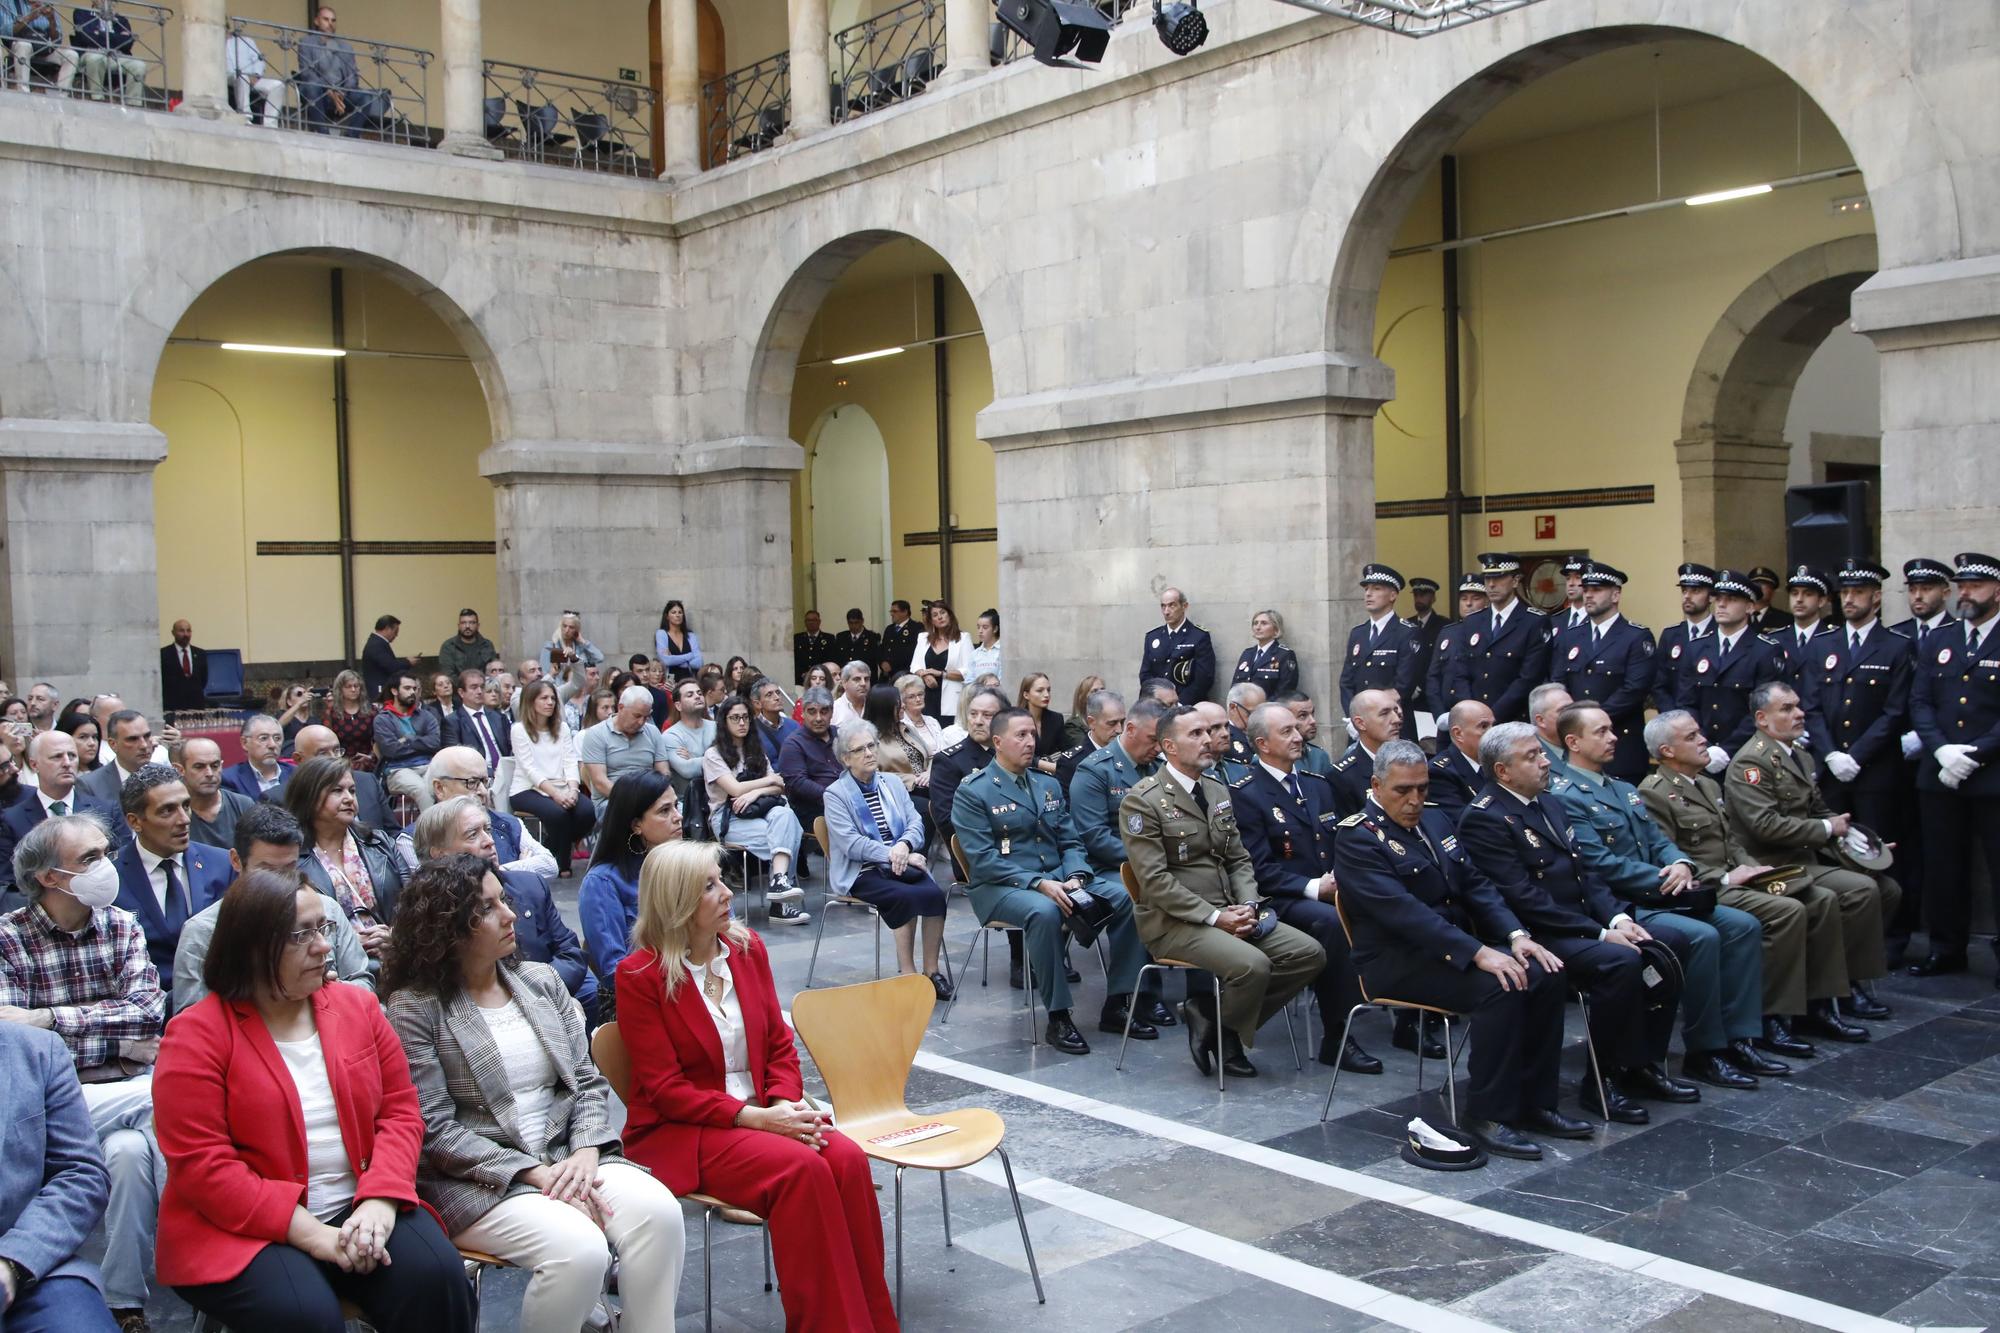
x=250, y=457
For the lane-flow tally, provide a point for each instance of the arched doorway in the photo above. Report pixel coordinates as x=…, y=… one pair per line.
x=850, y=514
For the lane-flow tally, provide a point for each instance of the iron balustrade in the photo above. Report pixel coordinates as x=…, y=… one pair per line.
x=106, y=51
x=887, y=58
x=301, y=79
x=747, y=109
x=1412, y=18
x=569, y=120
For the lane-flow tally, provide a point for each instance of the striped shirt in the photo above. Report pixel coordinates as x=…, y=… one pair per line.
x=873, y=795
x=99, y=983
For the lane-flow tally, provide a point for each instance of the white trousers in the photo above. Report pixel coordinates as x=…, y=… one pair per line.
x=270, y=95
x=64, y=56
x=122, y=1115
x=568, y=1253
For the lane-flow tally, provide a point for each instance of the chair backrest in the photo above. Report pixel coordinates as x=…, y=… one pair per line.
x=771, y=120
x=591, y=126
x=225, y=673
x=864, y=1039
x=1340, y=910
x=819, y=836
x=958, y=859
x=495, y=111
x=1131, y=881
x=607, y=1048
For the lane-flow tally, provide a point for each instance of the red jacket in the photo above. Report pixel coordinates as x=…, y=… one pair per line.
x=677, y=1061
x=227, y=1117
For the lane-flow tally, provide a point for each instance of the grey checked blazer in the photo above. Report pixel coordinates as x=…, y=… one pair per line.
x=472, y=1144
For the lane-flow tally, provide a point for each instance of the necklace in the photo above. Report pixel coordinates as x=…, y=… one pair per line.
x=711, y=986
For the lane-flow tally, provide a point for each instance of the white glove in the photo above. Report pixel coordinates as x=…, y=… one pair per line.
x=1955, y=762
x=1912, y=746
x=1718, y=759
x=1352, y=734
x=1854, y=842
x=1444, y=724
x=1842, y=766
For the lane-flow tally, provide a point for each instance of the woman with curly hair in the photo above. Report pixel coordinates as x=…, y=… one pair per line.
x=538, y=1179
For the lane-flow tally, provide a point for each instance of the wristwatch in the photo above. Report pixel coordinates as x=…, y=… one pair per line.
x=1517, y=935
x=22, y=1277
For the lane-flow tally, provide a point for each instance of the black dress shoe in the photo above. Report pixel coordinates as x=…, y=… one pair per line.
x=1112, y=1020
x=1503, y=1140
x=1404, y=1038
x=1860, y=1004
x=1938, y=964
x=1351, y=1058
x=1823, y=1020
x=1714, y=1068
x=1062, y=1035
x=1746, y=1057
x=1201, y=1037
x=1778, y=1039
x=1235, y=1060
x=1622, y=1109
x=1651, y=1083
x=1014, y=975
x=1152, y=1011
x=1551, y=1123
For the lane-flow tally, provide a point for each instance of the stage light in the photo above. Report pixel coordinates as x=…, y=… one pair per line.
x=1180, y=25
x=1055, y=28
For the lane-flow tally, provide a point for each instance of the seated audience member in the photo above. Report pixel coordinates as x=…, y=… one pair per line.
x=1420, y=911
x=547, y=782
x=689, y=737
x=676, y=643
x=913, y=723
x=458, y=770
x=806, y=759
x=718, y=1103
x=643, y=812
x=260, y=771
x=1545, y=704
x=907, y=764
x=371, y=801
x=569, y=646
x=1034, y=696
x=1377, y=719
x=1026, y=865
x=1198, y=899
x=852, y=701
x=213, y=806
x=747, y=808
x=52, y=756
x=34, y=30
x=72, y=963
x=474, y=724
x=738, y=674
x=1235, y=756
x=461, y=825
x=956, y=731
x=767, y=697
x=253, y=91
x=1107, y=773
x=440, y=697
x=131, y=744
x=406, y=737
x=534, y=1177
x=818, y=677
x=1455, y=774
x=163, y=878
x=959, y=761
x=640, y=674
x=875, y=851
x=589, y=708
x=292, y=1132
x=499, y=693
x=329, y=84
x=354, y=862
x=351, y=718
x=626, y=742
x=287, y=707
x=1099, y=717
x=267, y=838
x=1316, y=760
x=1160, y=690
x=466, y=650
x=82, y=728
x=52, y=1190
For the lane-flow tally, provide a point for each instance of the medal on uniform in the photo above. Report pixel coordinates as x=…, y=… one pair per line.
x=1944, y=655
x=1533, y=841
x=1675, y=654
x=1574, y=650
x=1006, y=846
x=1701, y=667
x=1831, y=660
x=1356, y=652
x=1472, y=642
x=1396, y=847
x=1156, y=643
x=1183, y=849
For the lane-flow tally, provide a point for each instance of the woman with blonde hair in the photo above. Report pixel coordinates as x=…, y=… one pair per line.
x=1076, y=728
x=717, y=1100
x=1267, y=661
x=351, y=718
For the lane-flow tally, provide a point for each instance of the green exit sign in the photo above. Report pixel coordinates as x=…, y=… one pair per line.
x=629, y=75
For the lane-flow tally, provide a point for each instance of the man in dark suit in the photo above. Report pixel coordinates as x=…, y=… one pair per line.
x=1179, y=651
x=183, y=672
x=1856, y=692
x=261, y=770
x=163, y=879
x=1506, y=649
x=379, y=663
x=1717, y=673
x=810, y=648
x=1444, y=653
x=1697, y=585
x=899, y=641
x=1609, y=660
x=1384, y=652
x=52, y=756
x=475, y=726
x=1455, y=774
x=858, y=643
x=128, y=744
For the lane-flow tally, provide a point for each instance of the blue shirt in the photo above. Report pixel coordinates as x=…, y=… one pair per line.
x=607, y=904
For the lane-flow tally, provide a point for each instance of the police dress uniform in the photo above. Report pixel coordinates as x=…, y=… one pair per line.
x=1441, y=663
x=1383, y=655
x=1428, y=629
x=1350, y=776
x=1237, y=756
x=899, y=642
x=1909, y=821
x=1612, y=664
x=1184, y=656
x=949, y=767
x=1188, y=858
x=1274, y=667
x=808, y=651
x=1675, y=638
x=1716, y=677
x=1857, y=702
x=1772, y=619
x=1455, y=780
x=865, y=648
x=1503, y=656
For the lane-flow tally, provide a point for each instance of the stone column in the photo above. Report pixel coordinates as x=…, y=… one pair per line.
x=812, y=98
x=204, y=73
x=967, y=33
x=680, y=45
x=79, y=579
x=464, y=80
x=1731, y=491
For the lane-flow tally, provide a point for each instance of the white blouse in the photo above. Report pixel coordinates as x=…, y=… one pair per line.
x=330, y=1178
x=536, y=762
x=531, y=1075
x=728, y=1015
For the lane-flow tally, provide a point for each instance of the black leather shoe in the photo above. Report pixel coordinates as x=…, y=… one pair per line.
x=1713, y=1068
x=1351, y=1058
x=1112, y=1020
x=1823, y=1020
x=1622, y=1109
x=1201, y=1037
x=1860, y=1004
x=1152, y=1011
x=1503, y=1140
x=1652, y=1083
x=1235, y=1060
x=1404, y=1038
x=1778, y=1039
x=1551, y=1123
x=1070, y=974
x=1746, y=1057
x=1014, y=975
x=1938, y=964
x=1062, y=1035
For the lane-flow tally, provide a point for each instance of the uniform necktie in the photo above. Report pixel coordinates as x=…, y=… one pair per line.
x=174, y=891
x=1374, y=634
x=1854, y=641
x=1200, y=797
x=58, y=807
x=1596, y=635
x=1292, y=786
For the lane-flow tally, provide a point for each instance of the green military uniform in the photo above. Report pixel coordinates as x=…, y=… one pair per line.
x=1190, y=864
x=1775, y=810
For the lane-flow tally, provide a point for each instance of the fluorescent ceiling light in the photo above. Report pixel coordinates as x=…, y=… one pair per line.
x=283, y=351
x=1724, y=196
x=864, y=356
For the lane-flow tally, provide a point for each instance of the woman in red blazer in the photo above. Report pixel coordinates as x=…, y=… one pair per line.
x=716, y=1096
x=283, y=1105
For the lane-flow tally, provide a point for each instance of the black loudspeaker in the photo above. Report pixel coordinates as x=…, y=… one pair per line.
x=1056, y=28
x=1825, y=524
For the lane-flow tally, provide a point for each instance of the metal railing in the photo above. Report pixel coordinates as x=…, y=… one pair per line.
x=1412, y=18
x=747, y=108
x=887, y=58
x=300, y=79
x=569, y=120
x=112, y=51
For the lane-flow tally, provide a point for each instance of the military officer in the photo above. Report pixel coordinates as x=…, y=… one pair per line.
x=1810, y=591
x=899, y=641
x=1268, y=662
x=1927, y=588
x=1721, y=952
x=1520, y=837
x=1198, y=898
x=1506, y=648
x=1772, y=799
x=1697, y=585
x=1955, y=704
x=1104, y=777
x=1027, y=866
x=1377, y=718
x=1609, y=659
x=1574, y=613
x=858, y=643
x=1384, y=651
x=1766, y=618
x=810, y=647
x=1455, y=774
x=1856, y=692
x=1235, y=755
x=1444, y=654
x=1287, y=821
x=1803, y=955
x=1316, y=760
x=1179, y=651
x=1420, y=913
x=1718, y=672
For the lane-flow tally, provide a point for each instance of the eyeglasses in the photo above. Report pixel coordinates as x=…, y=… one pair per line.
x=470, y=784
x=303, y=938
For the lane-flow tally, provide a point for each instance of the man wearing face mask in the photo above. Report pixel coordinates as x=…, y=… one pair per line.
x=74, y=964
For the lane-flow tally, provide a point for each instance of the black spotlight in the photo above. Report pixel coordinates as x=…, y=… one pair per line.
x=1056, y=28
x=1180, y=26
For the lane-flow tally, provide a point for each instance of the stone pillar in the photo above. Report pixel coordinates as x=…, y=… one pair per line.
x=812, y=78
x=1730, y=492
x=614, y=530
x=680, y=45
x=464, y=80
x=1252, y=486
x=967, y=39
x=204, y=73
x=79, y=582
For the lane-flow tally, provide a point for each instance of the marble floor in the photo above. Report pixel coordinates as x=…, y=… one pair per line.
x=1861, y=1194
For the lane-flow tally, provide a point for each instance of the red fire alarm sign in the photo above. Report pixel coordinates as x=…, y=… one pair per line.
x=1545, y=527
x=1495, y=526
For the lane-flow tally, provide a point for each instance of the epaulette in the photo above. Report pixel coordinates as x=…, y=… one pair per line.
x=1898, y=633
x=1345, y=762
x=954, y=747
x=1636, y=625
x=1350, y=821
x=1192, y=625
x=1771, y=639
x=1482, y=802
x=1442, y=763
x=1533, y=610
x=1405, y=620
x=1243, y=781
x=1557, y=782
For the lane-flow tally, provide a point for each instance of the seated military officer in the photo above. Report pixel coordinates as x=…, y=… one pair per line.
x=1235, y=757
x=1420, y=912
x=1377, y=719
x=1721, y=950
x=1316, y=760
x=1521, y=838
x=1099, y=784
x=1198, y=898
x=1287, y=820
x=1455, y=774
x=1027, y=867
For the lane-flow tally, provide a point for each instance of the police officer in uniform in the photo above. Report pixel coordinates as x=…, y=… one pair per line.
x=1766, y=618
x=1179, y=651
x=858, y=643
x=1697, y=585
x=810, y=647
x=1718, y=672
x=1955, y=704
x=1574, y=613
x=1506, y=649
x=1856, y=691
x=1234, y=756
x=1287, y=822
x=1810, y=590
x=1268, y=662
x=1437, y=675
x=1927, y=589
x=899, y=641
x=1377, y=719
x=1430, y=623
x=1609, y=659
x=1455, y=774
x=1384, y=651
x=1198, y=898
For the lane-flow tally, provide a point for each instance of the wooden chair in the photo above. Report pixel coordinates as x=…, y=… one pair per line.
x=1385, y=1003
x=607, y=1049
x=986, y=931
x=476, y=1264
x=838, y=900
x=864, y=1039
x=1172, y=965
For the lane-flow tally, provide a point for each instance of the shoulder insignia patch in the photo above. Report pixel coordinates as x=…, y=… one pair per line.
x=1646, y=647
x=1133, y=823
x=1482, y=802
x=1243, y=781
x=1350, y=821
x=1634, y=624
x=1753, y=775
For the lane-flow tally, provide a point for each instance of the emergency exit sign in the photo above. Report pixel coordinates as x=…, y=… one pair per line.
x=629, y=75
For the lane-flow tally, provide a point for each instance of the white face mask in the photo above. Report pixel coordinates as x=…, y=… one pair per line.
x=95, y=887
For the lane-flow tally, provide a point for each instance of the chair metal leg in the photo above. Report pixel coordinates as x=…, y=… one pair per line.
x=708, y=1269
x=1028, y=976
x=1218, y=1035
x=1345, y=1028
x=985, y=957
x=1131, y=1009
x=965, y=968
x=944, y=1196
x=878, y=941
x=1293, y=1037
x=1450, y=1069
x=819, y=935
x=1590, y=1047
x=1021, y=1220
x=899, y=1242
x=767, y=1257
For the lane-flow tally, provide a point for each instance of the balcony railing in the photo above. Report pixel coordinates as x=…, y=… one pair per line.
x=887, y=58
x=748, y=108
x=300, y=79
x=569, y=120
x=112, y=51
